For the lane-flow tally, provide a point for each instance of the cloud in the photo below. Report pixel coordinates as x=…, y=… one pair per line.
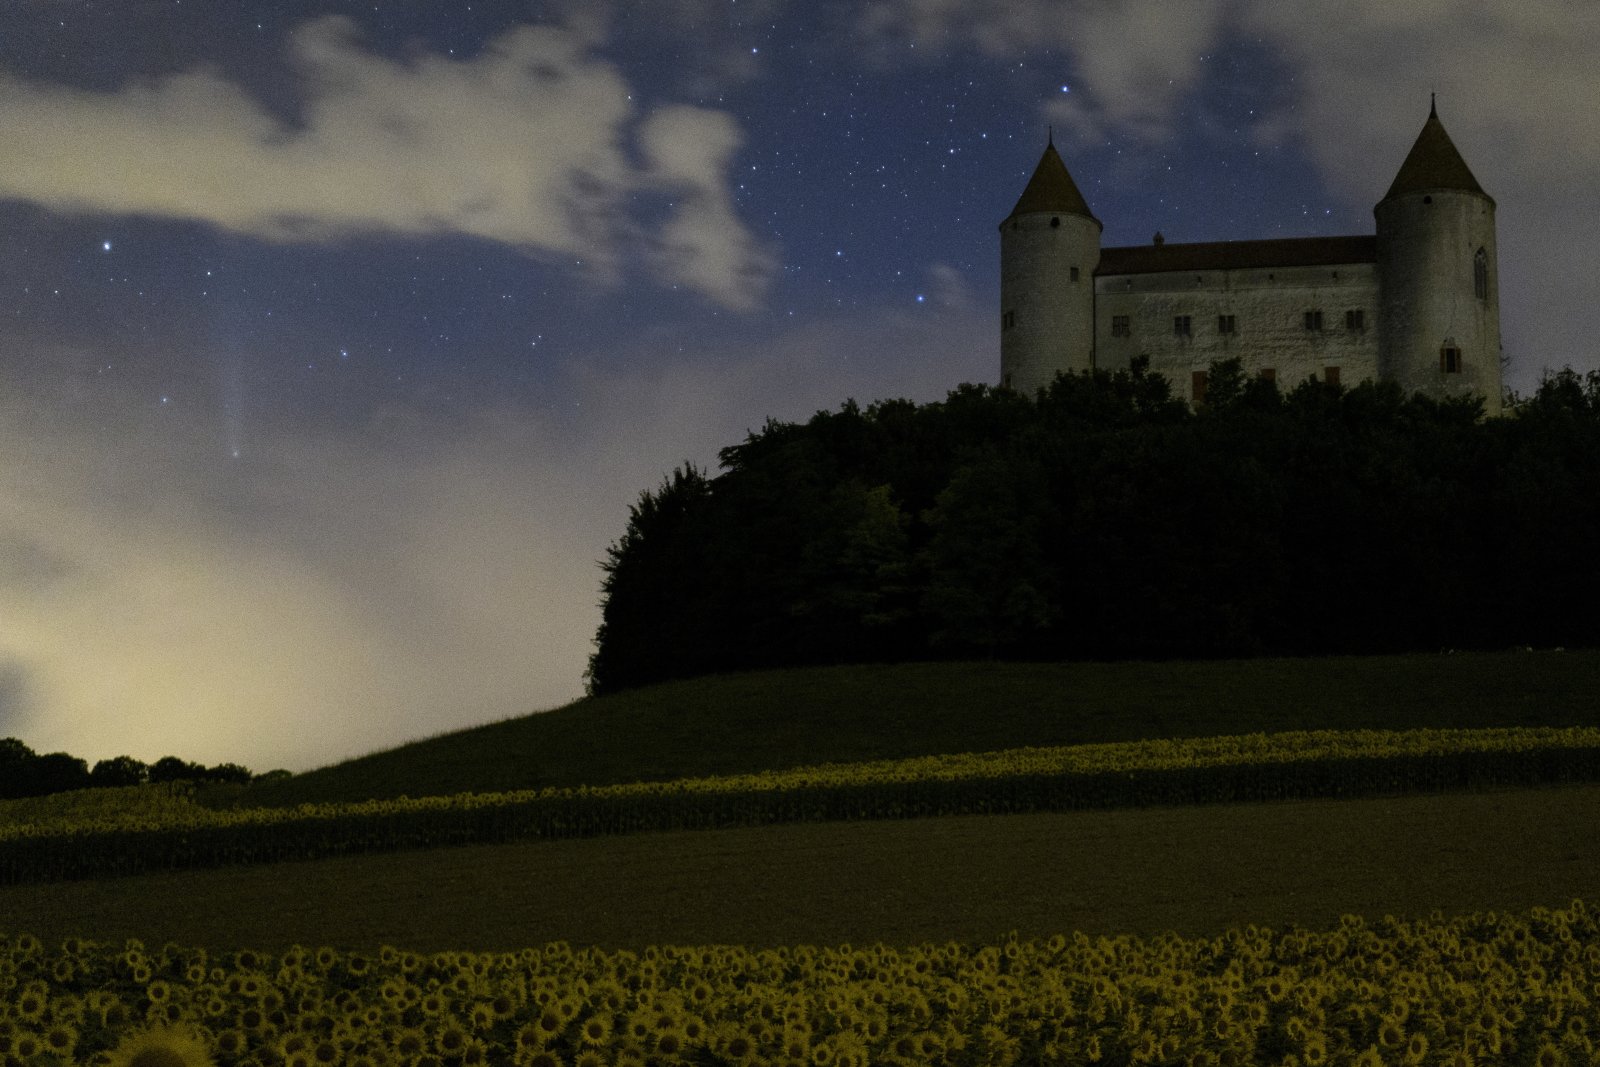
x=949, y=287
x=344, y=589
x=527, y=143
x=701, y=243
x=1131, y=62
x=337, y=593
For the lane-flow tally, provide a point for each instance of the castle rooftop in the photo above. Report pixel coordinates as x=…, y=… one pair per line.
x=1051, y=189
x=1434, y=163
x=1238, y=255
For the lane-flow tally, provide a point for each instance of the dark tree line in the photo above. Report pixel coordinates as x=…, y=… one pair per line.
x=1104, y=519
x=24, y=773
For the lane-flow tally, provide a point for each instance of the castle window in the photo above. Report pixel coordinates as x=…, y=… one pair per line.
x=1330, y=375
x=1314, y=320
x=1119, y=326
x=1006, y=381
x=1055, y=220
x=1008, y=320
x=1074, y=273
x=1197, y=385
x=1180, y=326
x=1355, y=319
x=1227, y=324
x=1450, y=359
x=1480, y=275
x=1268, y=374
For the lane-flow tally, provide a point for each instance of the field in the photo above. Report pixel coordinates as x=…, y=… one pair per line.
x=1282, y=882
x=742, y=723
x=1197, y=871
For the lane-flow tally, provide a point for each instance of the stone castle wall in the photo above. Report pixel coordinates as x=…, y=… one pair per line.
x=1427, y=248
x=1047, y=265
x=1269, y=309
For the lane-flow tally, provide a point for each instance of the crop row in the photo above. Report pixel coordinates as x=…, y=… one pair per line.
x=1478, y=989
x=1208, y=770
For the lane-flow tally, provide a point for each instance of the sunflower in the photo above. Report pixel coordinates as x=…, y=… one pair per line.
x=670, y=1042
x=33, y=1001
x=162, y=1046
x=595, y=1031
x=450, y=1038
x=1548, y=1056
x=550, y=1023
x=231, y=1043
x=409, y=1042
x=60, y=1040
x=26, y=1045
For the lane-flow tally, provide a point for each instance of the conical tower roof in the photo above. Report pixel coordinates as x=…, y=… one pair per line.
x=1051, y=189
x=1434, y=163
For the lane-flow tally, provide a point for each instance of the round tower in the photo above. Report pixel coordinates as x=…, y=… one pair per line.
x=1049, y=249
x=1438, y=283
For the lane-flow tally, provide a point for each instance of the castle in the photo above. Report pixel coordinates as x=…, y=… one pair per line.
x=1417, y=303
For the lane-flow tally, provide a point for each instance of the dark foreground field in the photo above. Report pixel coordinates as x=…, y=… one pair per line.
x=1193, y=870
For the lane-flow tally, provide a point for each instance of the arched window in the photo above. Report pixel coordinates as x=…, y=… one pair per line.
x=1480, y=275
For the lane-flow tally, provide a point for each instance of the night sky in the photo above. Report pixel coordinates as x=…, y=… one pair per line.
x=336, y=339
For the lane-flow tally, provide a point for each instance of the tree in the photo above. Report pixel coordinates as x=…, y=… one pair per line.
x=173, y=769
x=991, y=586
x=228, y=772
x=16, y=768
x=119, y=771
x=57, y=772
x=656, y=613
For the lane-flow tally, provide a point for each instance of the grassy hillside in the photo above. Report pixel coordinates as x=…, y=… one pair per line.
x=750, y=722
x=1194, y=870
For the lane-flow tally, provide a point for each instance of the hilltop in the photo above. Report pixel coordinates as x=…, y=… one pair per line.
x=778, y=719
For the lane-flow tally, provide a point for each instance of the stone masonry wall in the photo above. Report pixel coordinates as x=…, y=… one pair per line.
x=1268, y=308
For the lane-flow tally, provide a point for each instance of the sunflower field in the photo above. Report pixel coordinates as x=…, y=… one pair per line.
x=164, y=829
x=1486, y=988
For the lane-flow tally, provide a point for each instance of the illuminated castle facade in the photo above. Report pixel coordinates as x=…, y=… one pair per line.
x=1416, y=303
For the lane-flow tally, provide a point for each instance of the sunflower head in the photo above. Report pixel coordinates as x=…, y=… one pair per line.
x=162, y=1046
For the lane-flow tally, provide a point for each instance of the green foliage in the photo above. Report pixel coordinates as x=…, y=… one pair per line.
x=1104, y=519
x=26, y=774
x=119, y=771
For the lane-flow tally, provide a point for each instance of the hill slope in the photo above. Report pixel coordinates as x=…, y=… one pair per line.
x=750, y=722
